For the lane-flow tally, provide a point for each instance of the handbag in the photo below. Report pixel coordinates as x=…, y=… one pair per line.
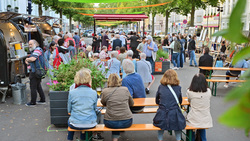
x=174, y=94
x=40, y=72
x=153, y=52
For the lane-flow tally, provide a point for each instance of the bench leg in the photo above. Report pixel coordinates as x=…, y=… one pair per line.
x=88, y=136
x=188, y=108
x=170, y=132
x=188, y=135
x=215, y=88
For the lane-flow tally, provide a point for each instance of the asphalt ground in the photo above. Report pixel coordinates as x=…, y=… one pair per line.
x=21, y=123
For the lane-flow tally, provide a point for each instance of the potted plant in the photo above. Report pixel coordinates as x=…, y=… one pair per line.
x=8, y=8
x=211, y=15
x=205, y=16
x=59, y=89
x=162, y=62
x=16, y=9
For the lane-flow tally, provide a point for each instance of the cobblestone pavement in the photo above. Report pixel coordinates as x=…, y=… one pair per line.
x=21, y=123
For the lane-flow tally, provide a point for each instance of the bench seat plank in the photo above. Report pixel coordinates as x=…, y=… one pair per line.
x=145, y=111
x=224, y=80
x=134, y=127
x=222, y=76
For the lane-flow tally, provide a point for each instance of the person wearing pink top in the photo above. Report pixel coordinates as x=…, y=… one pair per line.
x=103, y=54
x=68, y=37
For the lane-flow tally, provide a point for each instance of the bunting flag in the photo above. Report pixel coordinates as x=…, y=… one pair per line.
x=154, y=5
x=97, y=1
x=86, y=14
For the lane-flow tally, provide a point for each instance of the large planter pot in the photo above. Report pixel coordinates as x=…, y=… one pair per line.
x=161, y=67
x=58, y=108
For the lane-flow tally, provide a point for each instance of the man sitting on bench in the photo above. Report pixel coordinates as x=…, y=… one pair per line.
x=239, y=64
x=205, y=61
x=134, y=83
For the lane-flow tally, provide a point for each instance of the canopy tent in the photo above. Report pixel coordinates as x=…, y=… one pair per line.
x=119, y=17
x=96, y=1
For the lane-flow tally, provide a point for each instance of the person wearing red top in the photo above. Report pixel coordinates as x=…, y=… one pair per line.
x=68, y=37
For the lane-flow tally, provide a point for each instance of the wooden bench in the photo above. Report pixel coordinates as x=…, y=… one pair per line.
x=222, y=76
x=215, y=81
x=145, y=111
x=134, y=127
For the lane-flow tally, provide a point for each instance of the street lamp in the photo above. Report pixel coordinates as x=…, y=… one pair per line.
x=207, y=18
x=219, y=9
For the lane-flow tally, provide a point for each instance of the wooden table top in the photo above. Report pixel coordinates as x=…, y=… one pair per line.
x=146, y=102
x=223, y=68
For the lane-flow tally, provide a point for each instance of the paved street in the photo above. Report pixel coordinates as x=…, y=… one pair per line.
x=21, y=123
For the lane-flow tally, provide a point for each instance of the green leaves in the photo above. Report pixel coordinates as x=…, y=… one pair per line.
x=238, y=115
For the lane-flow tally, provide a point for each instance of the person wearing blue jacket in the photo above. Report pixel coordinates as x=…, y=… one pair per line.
x=82, y=104
x=133, y=82
x=169, y=115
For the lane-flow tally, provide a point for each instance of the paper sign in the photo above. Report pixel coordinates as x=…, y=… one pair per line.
x=158, y=66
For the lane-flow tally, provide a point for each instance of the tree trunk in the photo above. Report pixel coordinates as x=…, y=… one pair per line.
x=40, y=9
x=192, y=14
x=166, y=23
x=153, y=25
x=70, y=22
x=61, y=19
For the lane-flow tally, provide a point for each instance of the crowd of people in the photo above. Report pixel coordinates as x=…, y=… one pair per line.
x=136, y=63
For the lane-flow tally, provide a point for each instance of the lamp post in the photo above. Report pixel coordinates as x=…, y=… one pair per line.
x=207, y=18
x=219, y=9
x=29, y=12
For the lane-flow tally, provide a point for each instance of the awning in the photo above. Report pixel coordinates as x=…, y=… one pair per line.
x=120, y=17
x=42, y=19
x=8, y=15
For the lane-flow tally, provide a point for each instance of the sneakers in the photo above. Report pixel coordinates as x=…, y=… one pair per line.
x=226, y=86
x=98, y=137
x=41, y=102
x=191, y=65
x=147, y=90
x=30, y=105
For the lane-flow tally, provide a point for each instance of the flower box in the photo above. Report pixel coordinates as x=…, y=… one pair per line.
x=58, y=108
x=161, y=67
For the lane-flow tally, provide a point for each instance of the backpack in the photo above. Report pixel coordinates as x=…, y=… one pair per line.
x=57, y=61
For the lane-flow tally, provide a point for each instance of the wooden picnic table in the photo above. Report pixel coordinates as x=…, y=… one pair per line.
x=147, y=102
x=223, y=68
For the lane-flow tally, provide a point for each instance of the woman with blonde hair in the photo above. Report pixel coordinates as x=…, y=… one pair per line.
x=82, y=103
x=169, y=98
x=117, y=100
x=89, y=52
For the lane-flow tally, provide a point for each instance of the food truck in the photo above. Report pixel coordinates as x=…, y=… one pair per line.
x=13, y=47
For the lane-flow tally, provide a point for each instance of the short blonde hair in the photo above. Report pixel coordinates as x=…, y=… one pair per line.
x=170, y=77
x=83, y=76
x=114, y=80
x=89, y=48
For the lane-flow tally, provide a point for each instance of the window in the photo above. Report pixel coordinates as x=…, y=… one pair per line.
x=229, y=8
x=199, y=19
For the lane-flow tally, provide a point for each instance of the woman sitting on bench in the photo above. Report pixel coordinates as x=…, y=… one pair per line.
x=169, y=98
x=199, y=97
x=82, y=103
x=117, y=99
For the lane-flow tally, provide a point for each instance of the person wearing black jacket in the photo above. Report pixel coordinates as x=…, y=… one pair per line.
x=191, y=49
x=116, y=43
x=206, y=61
x=134, y=42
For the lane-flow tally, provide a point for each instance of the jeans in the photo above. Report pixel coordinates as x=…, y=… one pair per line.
x=177, y=135
x=192, y=57
x=35, y=86
x=181, y=59
x=71, y=133
x=150, y=59
x=176, y=57
x=202, y=133
x=117, y=124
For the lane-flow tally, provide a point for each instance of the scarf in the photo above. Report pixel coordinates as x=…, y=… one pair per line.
x=82, y=85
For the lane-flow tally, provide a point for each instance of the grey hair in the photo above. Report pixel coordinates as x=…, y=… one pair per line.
x=130, y=53
x=117, y=36
x=128, y=66
x=35, y=42
x=104, y=47
x=143, y=56
x=114, y=54
x=56, y=38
